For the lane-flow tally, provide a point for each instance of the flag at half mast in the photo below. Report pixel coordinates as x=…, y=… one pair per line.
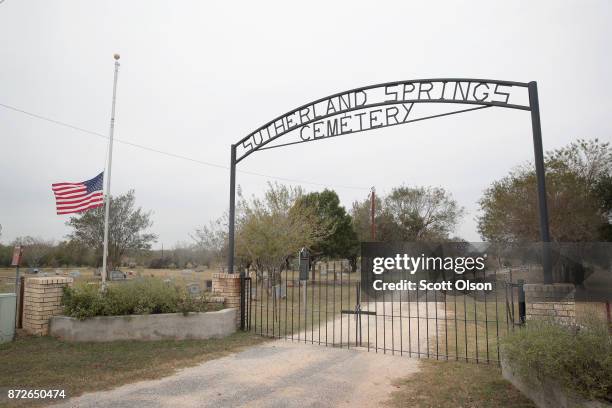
x=78, y=197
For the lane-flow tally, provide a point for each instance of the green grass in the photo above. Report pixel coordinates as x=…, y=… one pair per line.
x=456, y=385
x=287, y=316
x=472, y=328
x=47, y=363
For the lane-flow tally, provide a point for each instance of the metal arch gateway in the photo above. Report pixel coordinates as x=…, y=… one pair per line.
x=390, y=104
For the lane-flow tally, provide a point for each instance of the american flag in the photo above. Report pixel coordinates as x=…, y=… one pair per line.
x=77, y=197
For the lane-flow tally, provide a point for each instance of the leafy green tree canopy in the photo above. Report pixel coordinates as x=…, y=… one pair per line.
x=127, y=228
x=341, y=240
x=579, y=197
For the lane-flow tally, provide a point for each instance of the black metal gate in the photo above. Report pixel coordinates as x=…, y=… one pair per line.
x=332, y=310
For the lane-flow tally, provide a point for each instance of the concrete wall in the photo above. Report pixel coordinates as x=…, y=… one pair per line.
x=173, y=326
x=547, y=395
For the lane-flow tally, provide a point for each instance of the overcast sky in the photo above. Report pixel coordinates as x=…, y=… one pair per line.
x=197, y=76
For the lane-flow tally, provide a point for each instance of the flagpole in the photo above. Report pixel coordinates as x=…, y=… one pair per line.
x=107, y=173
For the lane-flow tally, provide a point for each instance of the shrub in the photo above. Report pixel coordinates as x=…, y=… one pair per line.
x=577, y=358
x=141, y=296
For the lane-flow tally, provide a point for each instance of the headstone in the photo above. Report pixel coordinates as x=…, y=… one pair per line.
x=117, y=275
x=194, y=289
x=304, y=263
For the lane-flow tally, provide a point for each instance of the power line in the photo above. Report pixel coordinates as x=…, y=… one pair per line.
x=174, y=155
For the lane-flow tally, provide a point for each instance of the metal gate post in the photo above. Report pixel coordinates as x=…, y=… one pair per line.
x=538, y=151
x=521, y=301
x=232, y=211
x=242, y=301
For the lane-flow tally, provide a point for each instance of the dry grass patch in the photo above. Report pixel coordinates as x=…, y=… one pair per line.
x=457, y=385
x=47, y=363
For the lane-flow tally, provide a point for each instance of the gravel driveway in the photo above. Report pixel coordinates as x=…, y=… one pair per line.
x=276, y=374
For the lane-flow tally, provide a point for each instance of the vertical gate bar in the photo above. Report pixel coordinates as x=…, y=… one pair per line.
x=465, y=335
x=445, y=326
x=333, y=306
x=368, y=285
x=319, y=325
x=400, y=322
x=476, y=326
x=274, y=300
x=256, y=301
x=292, y=301
x=326, y=300
x=358, y=315
x=286, y=300
x=341, y=302
x=427, y=320
x=409, y=327
x=521, y=301
x=496, y=315
x=512, y=300
x=314, y=282
x=261, y=303
x=305, y=303
x=299, y=312
x=250, y=300
x=384, y=320
x=418, y=316
x=392, y=325
x=437, y=334
x=455, y=313
x=242, y=301
x=348, y=320
x=268, y=305
x=376, y=322
x=484, y=273
x=507, y=308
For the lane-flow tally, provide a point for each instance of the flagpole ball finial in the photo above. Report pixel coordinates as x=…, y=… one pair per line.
x=116, y=56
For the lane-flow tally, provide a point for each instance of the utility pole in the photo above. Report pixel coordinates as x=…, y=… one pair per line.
x=373, y=214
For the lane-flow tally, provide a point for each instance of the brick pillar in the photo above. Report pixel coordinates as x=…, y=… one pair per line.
x=41, y=300
x=227, y=285
x=554, y=301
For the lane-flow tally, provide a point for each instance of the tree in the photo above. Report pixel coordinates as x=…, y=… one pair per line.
x=272, y=229
x=577, y=184
x=127, y=226
x=35, y=250
x=410, y=214
x=212, y=241
x=340, y=240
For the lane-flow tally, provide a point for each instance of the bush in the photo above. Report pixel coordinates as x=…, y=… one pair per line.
x=141, y=296
x=579, y=359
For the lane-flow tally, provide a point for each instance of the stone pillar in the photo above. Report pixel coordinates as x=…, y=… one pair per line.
x=41, y=300
x=554, y=301
x=227, y=285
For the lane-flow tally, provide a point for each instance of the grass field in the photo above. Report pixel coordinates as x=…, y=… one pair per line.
x=456, y=384
x=7, y=275
x=47, y=363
